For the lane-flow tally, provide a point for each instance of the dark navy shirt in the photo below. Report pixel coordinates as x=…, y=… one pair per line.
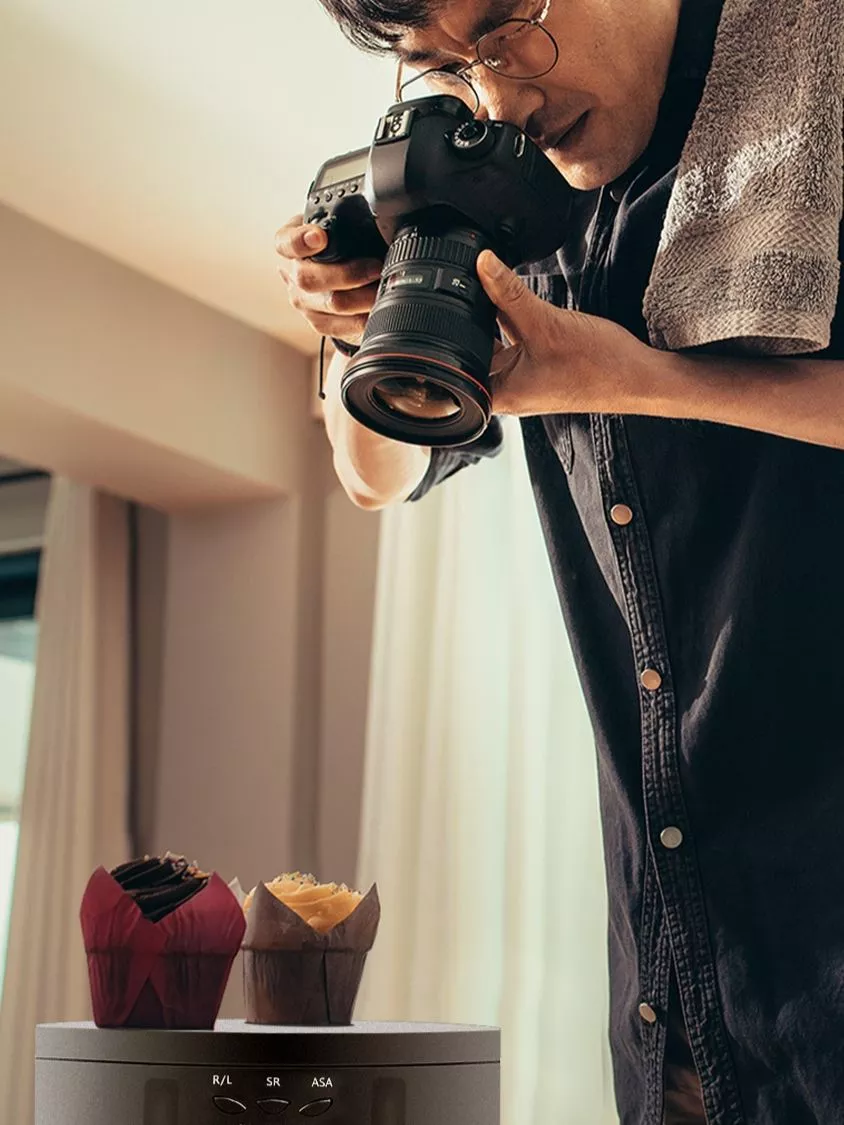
x=699, y=568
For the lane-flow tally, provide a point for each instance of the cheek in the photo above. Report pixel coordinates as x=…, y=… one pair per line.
x=598, y=58
x=593, y=78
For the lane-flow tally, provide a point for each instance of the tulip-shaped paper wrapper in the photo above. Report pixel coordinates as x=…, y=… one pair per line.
x=297, y=971
x=160, y=937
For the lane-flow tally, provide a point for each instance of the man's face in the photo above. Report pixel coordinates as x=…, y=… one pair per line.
x=594, y=113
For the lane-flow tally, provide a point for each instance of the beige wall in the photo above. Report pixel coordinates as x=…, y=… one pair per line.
x=230, y=670
x=254, y=657
x=118, y=381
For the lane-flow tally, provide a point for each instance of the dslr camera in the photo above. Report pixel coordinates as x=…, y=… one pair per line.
x=435, y=188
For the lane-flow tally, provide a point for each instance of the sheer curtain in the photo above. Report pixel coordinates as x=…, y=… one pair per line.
x=480, y=819
x=73, y=815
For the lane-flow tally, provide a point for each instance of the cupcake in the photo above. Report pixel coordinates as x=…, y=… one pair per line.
x=160, y=936
x=305, y=949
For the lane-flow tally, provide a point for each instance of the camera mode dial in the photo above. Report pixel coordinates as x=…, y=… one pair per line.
x=475, y=138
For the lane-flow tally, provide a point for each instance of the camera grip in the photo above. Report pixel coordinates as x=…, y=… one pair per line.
x=350, y=228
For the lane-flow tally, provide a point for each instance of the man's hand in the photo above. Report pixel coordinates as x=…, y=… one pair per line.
x=335, y=300
x=557, y=361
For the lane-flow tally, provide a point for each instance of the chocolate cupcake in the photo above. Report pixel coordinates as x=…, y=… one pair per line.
x=160, y=936
x=305, y=949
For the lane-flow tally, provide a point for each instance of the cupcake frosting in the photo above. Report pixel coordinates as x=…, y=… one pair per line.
x=159, y=884
x=322, y=905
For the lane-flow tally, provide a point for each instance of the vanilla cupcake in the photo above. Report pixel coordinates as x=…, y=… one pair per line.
x=305, y=948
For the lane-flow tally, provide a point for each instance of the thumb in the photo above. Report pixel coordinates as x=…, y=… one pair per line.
x=520, y=311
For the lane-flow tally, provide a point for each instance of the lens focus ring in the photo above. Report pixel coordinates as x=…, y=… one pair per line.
x=436, y=322
x=431, y=248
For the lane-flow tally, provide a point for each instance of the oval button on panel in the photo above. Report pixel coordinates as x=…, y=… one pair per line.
x=317, y=1108
x=647, y=1014
x=229, y=1105
x=273, y=1107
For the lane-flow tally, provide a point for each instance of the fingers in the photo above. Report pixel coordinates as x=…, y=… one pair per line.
x=348, y=328
x=342, y=302
x=334, y=299
x=299, y=240
x=312, y=277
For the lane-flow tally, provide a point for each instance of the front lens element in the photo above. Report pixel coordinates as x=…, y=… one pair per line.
x=417, y=398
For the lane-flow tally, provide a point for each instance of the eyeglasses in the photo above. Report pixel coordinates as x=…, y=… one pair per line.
x=518, y=48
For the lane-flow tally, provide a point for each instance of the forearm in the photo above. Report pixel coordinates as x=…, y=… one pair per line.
x=801, y=399
x=374, y=471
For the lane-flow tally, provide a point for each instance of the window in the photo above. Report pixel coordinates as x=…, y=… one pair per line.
x=18, y=637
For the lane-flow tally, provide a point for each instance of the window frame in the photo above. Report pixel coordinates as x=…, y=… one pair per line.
x=19, y=585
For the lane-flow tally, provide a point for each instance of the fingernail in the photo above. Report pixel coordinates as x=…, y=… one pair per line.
x=313, y=238
x=493, y=265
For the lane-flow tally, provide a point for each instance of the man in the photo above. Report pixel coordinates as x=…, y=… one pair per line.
x=690, y=504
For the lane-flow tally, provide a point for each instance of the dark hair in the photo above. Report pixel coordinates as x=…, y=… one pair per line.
x=377, y=25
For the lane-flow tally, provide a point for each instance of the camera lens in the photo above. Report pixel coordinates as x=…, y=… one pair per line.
x=422, y=372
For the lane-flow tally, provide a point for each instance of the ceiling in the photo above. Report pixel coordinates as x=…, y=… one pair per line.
x=177, y=135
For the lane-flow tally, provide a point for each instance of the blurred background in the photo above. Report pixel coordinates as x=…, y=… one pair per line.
x=204, y=646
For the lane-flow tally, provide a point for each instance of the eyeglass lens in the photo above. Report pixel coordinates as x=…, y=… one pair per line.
x=517, y=49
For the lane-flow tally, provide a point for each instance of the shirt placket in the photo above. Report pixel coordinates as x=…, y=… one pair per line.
x=673, y=904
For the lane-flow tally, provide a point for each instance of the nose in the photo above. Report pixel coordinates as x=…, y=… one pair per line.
x=506, y=99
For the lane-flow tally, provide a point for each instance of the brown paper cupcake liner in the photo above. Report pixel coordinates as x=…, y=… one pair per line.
x=294, y=975
x=301, y=987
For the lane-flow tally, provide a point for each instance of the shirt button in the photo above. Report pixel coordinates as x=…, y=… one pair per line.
x=651, y=679
x=621, y=514
x=671, y=837
x=647, y=1013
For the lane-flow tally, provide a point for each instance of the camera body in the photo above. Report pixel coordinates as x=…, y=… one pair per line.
x=433, y=152
x=436, y=186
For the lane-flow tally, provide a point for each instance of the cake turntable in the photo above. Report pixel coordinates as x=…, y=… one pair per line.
x=249, y=1074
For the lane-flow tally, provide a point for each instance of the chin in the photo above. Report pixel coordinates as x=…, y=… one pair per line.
x=586, y=175
x=595, y=159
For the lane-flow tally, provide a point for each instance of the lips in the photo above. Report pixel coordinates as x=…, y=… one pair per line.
x=563, y=136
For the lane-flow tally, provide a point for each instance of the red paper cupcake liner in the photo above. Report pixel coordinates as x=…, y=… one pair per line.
x=171, y=973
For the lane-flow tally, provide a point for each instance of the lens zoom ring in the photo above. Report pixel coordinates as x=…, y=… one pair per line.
x=416, y=248
x=441, y=324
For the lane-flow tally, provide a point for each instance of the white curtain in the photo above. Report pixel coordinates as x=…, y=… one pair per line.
x=480, y=819
x=74, y=813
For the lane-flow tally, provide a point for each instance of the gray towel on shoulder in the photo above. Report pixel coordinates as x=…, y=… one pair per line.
x=749, y=249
